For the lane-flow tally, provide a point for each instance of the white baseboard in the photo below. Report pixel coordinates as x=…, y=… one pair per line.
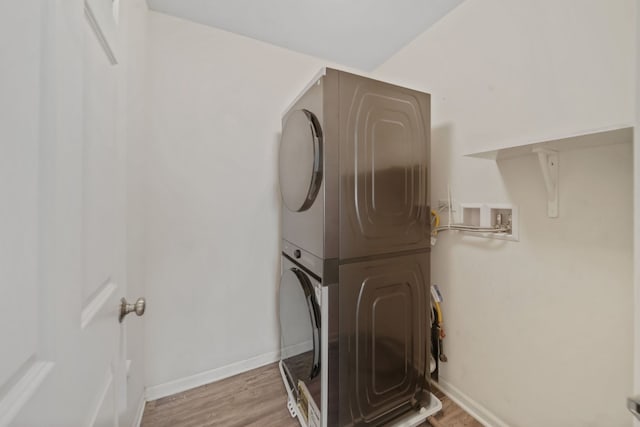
x=197, y=380
x=476, y=410
x=137, y=420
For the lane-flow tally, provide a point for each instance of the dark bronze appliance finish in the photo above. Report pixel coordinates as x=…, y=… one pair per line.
x=358, y=229
x=372, y=197
x=384, y=345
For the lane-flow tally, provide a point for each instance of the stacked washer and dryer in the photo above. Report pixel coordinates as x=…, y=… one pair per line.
x=354, y=293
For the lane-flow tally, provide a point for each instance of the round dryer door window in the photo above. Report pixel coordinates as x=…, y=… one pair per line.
x=300, y=160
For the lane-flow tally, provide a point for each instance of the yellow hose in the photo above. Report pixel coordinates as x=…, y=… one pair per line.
x=438, y=311
x=435, y=221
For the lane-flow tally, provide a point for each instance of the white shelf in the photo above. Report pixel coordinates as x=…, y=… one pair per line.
x=547, y=152
x=608, y=136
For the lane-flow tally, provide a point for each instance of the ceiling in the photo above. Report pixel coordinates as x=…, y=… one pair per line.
x=356, y=33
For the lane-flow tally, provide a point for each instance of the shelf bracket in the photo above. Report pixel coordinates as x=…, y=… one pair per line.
x=549, y=166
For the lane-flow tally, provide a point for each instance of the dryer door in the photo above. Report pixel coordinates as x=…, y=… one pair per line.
x=299, y=327
x=300, y=160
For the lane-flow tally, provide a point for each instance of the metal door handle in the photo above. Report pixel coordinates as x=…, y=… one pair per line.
x=126, y=308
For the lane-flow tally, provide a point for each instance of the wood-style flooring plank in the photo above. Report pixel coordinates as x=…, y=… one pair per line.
x=254, y=398
x=452, y=415
x=257, y=397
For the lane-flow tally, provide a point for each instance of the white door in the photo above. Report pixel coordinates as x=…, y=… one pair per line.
x=62, y=223
x=636, y=216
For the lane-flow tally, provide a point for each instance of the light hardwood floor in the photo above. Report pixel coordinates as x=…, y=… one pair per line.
x=254, y=398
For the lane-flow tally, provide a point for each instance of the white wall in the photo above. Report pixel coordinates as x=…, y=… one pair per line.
x=212, y=218
x=540, y=332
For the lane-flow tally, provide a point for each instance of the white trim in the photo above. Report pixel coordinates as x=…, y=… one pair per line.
x=22, y=391
x=137, y=420
x=299, y=348
x=197, y=380
x=96, y=303
x=473, y=408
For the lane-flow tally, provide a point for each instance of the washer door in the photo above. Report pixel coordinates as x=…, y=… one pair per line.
x=299, y=327
x=300, y=160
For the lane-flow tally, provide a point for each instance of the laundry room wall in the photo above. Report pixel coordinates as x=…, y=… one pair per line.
x=212, y=226
x=540, y=331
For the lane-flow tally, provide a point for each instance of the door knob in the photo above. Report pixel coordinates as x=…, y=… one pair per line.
x=125, y=308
